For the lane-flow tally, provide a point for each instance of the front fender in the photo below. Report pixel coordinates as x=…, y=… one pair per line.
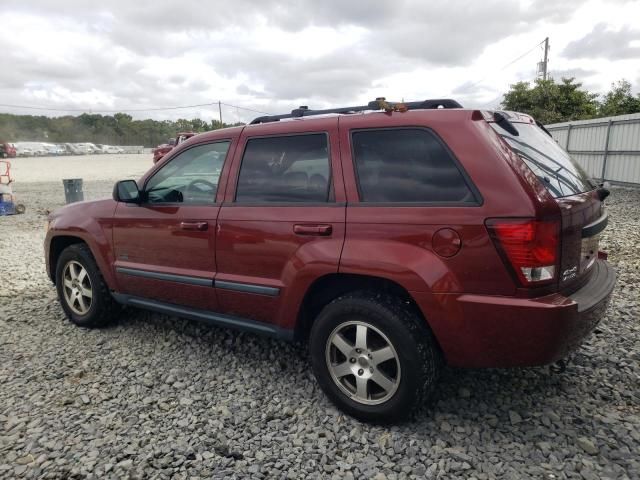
x=90, y=222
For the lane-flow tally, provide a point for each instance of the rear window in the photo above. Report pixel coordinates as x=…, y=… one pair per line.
x=551, y=164
x=285, y=170
x=408, y=165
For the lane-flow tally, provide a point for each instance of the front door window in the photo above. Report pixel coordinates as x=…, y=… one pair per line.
x=190, y=178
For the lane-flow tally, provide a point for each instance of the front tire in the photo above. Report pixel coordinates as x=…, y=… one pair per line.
x=373, y=356
x=82, y=292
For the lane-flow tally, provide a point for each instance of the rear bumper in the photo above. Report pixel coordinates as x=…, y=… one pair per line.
x=490, y=331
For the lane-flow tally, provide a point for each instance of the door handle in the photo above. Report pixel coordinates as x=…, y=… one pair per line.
x=199, y=226
x=319, y=230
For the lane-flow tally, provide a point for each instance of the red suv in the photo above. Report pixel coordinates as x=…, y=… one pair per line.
x=7, y=150
x=392, y=237
x=161, y=150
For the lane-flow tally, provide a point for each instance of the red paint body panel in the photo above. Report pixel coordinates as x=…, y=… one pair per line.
x=260, y=247
x=150, y=238
x=91, y=222
x=577, y=211
x=265, y=257
x=401, y=236
x=257, y=243
x=494, y=331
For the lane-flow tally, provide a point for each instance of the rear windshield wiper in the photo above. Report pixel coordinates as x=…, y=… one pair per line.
x=543, y=128
x=551, y=159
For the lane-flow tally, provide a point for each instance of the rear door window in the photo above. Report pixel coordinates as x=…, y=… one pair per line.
x=408, y=165
x=551, y=164
x=289, y=169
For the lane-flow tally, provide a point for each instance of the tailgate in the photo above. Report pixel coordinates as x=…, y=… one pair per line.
x=583, y=219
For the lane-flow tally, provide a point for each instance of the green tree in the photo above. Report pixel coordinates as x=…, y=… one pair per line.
x=119, y=129
x=619, y=100
x=551, y=102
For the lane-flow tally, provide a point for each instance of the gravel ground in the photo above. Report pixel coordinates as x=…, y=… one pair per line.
x=159, y=397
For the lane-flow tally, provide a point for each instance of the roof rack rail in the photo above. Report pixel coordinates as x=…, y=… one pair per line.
x=379, y=103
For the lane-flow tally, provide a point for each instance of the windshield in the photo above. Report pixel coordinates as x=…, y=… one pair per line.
x=551, y=164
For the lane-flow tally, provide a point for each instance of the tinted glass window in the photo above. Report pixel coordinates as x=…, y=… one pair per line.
x=407, y=165
x=285, y=169
x=191, y=177
x=551, y=164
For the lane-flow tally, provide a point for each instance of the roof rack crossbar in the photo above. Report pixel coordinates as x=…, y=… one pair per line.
x=377, y=104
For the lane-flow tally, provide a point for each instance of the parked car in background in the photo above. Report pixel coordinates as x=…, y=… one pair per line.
x=93, y=149
x=50, y=149
x=89, y=148
x=392, y=241
x=85, y=148
x=112, y=149
x=37, y=148
x=23, y=150
x=54, y=149
x=7, y=150
x=71, y=149
x=62, y=148
x=161, y=150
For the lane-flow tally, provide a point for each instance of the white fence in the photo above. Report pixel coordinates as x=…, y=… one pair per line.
x=607, y=148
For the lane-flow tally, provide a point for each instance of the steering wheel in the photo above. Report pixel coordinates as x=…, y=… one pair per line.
x=191, y=187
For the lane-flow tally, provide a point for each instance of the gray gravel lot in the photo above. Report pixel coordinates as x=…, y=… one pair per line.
x=159, y=397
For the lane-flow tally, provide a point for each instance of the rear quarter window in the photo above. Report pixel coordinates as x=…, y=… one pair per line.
x=408, y=165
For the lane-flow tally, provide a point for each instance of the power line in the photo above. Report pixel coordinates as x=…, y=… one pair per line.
x=507, y=65
x=245, y=108
x=125, y=110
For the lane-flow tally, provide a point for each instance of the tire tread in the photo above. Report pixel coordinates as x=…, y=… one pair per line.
x=109, y=308
x=430, y=358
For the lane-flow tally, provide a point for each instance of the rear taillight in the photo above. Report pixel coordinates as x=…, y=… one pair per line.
x=530, y=246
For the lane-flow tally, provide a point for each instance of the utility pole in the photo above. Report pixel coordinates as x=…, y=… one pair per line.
x=546, y=58
x=220, y=112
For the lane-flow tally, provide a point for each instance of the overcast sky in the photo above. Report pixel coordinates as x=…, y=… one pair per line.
x=275, y=55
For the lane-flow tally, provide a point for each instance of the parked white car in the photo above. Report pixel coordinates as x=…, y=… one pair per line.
x=92, y=148
x=54, y=149
x=71, y=149
x=113, y=149
x=85, y=148
x=22, y=151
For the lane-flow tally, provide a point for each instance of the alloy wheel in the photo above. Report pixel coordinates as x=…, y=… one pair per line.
x=77, y=288
x=363, y=362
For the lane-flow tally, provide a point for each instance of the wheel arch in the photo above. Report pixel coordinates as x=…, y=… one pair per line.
x=331, y=286
x=59, y=243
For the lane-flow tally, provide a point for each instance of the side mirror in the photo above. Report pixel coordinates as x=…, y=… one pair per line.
x=126, y=191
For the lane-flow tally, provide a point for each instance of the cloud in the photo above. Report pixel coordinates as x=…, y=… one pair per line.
x=435, y=32
x=270, y=55
x=604, y=42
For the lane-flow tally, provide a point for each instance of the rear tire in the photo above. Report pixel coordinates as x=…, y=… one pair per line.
x=83, y=293
x=373, y=356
